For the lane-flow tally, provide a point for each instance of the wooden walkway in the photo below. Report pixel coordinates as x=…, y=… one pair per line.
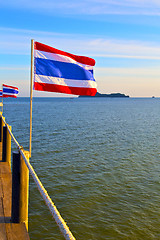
x=8, y=230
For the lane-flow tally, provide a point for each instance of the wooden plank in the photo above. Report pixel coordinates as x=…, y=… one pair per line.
x=3, y=235
x=7, y=196
x=0, y=151
x=4, y=168
x=6, y=179
x=8, y=231
x=1, y=211
x=17, y=231
x=1, y=187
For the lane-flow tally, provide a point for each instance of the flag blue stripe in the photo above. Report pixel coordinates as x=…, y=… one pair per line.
x=62, y=70
x=13, y=91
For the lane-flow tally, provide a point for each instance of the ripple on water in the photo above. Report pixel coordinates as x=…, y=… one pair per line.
x=99, y=161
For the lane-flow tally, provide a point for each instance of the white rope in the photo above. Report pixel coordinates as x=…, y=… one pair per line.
x=10, y=132
x=55, y=213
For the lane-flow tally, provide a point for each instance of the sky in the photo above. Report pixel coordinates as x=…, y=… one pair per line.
x=123, y=36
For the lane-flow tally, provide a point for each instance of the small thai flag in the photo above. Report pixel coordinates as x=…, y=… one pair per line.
x=63, y=72
x=0, y=93
x=10, y=91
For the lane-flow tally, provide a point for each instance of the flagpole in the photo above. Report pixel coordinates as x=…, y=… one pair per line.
x=31, y=95
x=2, y=103
x=2, y=100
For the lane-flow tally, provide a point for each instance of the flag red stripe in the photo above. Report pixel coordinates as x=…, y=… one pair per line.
x=6, y=96
x=4, y=85
x=80, y=59
x=64, y=89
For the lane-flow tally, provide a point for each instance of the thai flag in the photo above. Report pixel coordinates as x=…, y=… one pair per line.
x=59, y=71
x=0, y=93
x=10, y=91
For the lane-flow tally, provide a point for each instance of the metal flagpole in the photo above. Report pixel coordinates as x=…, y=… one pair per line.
x=31, y=95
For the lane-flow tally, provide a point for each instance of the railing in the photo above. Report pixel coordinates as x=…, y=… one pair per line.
x=20, y=184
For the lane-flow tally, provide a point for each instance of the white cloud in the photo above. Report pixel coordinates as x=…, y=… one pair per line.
x=14, y=68
x=146, y=7
x=18, y=41
x=149, y=72
x=126, y=49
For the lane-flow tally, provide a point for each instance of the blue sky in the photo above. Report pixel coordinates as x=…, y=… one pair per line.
x=122, y=36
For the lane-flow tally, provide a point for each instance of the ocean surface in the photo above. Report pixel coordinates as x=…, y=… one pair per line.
x=99, y=160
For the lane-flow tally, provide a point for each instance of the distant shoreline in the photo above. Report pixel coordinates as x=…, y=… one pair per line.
x=112, y=95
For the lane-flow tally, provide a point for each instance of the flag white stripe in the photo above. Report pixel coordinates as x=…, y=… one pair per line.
x=65, y=82
x=11, y=94
x=60, y=58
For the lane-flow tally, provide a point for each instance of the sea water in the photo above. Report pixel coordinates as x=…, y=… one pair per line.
x=99, y=160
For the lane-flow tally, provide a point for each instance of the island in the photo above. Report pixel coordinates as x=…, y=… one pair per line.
x=111, y=95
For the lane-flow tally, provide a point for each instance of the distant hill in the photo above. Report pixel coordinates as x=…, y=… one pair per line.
x=112, y=95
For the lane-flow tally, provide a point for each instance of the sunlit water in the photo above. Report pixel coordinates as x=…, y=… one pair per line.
x=99, y=161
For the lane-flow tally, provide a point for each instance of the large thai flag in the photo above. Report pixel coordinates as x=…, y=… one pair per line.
x=9, y=91
x=0, y=93
x=59, y=71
